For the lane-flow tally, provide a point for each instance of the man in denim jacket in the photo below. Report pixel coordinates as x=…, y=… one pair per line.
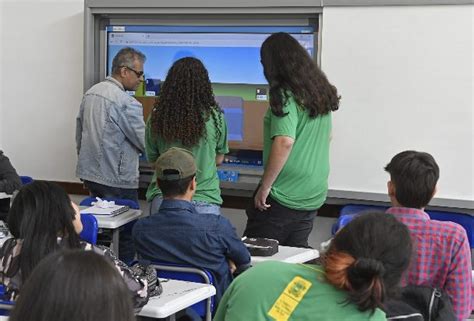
x=110, y=131
x=110, y=135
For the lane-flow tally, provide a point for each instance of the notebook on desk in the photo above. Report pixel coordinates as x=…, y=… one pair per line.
x=112, y=210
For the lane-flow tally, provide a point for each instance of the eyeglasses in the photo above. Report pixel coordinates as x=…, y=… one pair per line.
x=138, y=73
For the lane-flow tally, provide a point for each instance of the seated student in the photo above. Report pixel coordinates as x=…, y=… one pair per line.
x=9, y=182
x=43, y=220
x=178, y=234
x=74, y=286
x=443, y=256
x=360, y=271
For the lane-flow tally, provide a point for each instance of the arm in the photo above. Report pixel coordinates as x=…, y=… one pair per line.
x=235, y=249
x=222, y=147
x=9, y=179
x=280, y=150
x=130, y=121
x=79, y=129
x=151, y=145
x=458, y=283
x=219, y=159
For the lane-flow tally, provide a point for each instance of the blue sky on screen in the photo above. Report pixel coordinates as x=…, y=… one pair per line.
x=232, y=65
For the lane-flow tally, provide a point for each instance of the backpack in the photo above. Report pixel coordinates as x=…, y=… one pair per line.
x=433, y=303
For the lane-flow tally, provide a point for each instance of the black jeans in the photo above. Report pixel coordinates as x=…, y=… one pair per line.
x=290, y=227
x=126, y=245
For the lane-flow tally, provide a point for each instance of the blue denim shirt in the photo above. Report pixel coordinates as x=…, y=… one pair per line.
x=178, y=234
x=110, y=135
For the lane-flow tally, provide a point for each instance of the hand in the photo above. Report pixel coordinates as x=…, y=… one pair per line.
x=232, y=266
x=260, y=199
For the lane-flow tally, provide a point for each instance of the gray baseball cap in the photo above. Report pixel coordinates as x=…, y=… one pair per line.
x=178, y=161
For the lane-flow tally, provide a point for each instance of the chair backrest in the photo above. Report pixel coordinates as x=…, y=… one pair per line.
x=26, y=180
x=5, y=305
x=356, y=209
x=465, y=220
x=189, y=273
x=90, y=228
x=119, y=201
x=349, y=212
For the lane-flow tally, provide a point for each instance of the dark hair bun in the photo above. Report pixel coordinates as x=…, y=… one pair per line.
x=365, y=269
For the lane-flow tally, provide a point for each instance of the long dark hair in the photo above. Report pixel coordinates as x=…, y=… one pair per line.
x=367, y=258
x=41, y=211
x=185, y=103
x=289, y=68
x=74, y=286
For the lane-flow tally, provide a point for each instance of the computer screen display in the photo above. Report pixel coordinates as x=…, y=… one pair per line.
x=230, y=54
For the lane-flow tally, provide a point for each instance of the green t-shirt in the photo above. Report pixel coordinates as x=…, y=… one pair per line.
x=303, y=181
x=280, y=291
x=204, y=153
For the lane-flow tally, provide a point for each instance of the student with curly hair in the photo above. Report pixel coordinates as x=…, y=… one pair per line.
x=186, y=115
x=297, y=130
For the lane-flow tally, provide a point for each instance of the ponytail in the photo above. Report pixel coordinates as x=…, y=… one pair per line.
x=361, y=278
x=367, y=288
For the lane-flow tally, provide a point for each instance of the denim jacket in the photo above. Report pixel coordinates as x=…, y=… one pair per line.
x=178, y=234
x=110, y=135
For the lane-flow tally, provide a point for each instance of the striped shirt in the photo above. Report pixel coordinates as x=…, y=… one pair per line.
x=442, y=257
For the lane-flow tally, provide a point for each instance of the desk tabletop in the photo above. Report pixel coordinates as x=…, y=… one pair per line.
x=288, y=254
x=4, y=195
x=177, y=295
x=113, y=222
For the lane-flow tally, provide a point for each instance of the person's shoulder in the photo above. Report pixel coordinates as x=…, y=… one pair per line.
x=147, y=222
x=219, y=220
x=279, y=267
x=448, y=229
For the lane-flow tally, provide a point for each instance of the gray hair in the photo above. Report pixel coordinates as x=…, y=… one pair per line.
x=126, y=57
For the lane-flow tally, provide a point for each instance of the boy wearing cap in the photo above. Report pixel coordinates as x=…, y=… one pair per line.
x=178, y=234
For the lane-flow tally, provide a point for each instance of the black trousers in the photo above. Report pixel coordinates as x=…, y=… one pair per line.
x=290, y=227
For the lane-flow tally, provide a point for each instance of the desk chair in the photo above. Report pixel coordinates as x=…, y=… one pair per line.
x=349, y=212
x=192, y=274
x=90, y=228
x=5, y=305
x=26, y=180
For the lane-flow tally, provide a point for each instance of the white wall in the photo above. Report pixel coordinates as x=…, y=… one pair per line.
x=41, y=85
x=405, y=76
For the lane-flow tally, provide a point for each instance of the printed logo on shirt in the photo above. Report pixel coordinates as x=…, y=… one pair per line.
x=289, y=299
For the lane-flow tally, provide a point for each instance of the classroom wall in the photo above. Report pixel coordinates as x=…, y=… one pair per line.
x=405, y=76
x=374, y=55
x=41, y=85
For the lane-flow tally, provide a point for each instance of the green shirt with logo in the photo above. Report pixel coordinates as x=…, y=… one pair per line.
x=280, y=291
x=303, y=181
x=204, y=152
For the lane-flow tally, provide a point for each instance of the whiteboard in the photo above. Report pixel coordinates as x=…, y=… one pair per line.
x=406, y=79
